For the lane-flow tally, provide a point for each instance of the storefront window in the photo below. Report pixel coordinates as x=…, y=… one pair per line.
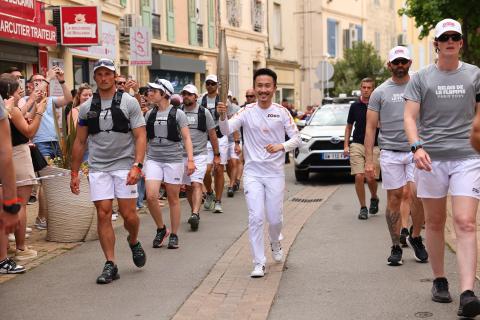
x=178, y=79
x=83, y=72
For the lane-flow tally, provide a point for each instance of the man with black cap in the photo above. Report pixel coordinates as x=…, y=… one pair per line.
x=445, y=97
x=114, y=125
x=210, y=102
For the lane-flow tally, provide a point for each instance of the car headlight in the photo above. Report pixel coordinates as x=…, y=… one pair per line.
x=305, y=138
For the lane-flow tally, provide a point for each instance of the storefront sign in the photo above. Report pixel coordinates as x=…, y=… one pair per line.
x=108, y=49
x=23, y=20
x=140, y=49
x=23, y=9
x=80, y=25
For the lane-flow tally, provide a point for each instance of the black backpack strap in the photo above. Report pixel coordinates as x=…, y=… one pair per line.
x=172, y=128
x=93, y=115
x=204, y=101
x=120, y=122
x=202, y=119
x=151, y=123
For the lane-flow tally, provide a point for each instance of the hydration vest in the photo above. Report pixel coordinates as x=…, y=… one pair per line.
x=120, y=121
x=202, y=119
x=172, y=130
x=215, y=115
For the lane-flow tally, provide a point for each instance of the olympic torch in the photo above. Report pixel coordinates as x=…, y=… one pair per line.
x=222, y=58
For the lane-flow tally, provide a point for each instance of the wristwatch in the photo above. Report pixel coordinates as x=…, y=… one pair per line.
x=416, y=145
x=237, y=141
x=13, y=208
x=61, y=81
x=139, y=165
x=216, y=154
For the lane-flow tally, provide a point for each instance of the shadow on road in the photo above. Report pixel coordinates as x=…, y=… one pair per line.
x=327, y=178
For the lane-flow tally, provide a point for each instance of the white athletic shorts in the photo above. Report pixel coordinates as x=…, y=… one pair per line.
x=231, y=151
x=397, y=169
x=110, y=184
x=458, y=177
x=167, y=172
x=223, y=146
x=200, y=169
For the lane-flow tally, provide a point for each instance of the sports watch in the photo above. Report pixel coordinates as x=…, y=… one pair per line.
x=12, y=208
x=139, y=165
x=416, y=145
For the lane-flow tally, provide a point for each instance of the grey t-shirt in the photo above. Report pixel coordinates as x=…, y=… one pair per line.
x=211, y=108
x=161, y=149
x=199, y=138
x=3, y=112
x=110, y=151
x=387, y=100
x=232, y=108
x=447, y=108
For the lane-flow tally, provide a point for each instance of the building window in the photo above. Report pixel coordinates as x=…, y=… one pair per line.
x=257, y=15
x=277, y=25
x=156, y=19
x=377, y=41
x=211, y=24
x=233, y=78
x=332, y=37
x=170, y=21
x=359, y=33
x=234, y=13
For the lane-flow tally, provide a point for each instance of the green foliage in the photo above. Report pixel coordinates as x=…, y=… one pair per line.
x=66, y=137
x=428, y=12
x=359, y=62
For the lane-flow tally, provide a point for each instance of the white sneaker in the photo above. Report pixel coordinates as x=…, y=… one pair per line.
x=114, y=216
x=28, y=230
x=258, y=271
x=218, y=207
x=11, y=237
x=277, y=252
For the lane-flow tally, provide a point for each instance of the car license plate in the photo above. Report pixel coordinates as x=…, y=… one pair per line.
x=333, y=156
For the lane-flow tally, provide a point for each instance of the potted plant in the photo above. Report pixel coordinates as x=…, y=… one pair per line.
x=71, y=218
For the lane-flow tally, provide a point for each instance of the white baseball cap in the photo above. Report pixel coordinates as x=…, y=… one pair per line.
x=229, y=94
x=163, y=85
x=398, y=52
x=447, y=25
x=212, y=77
x=190, y=88
x=104, y=63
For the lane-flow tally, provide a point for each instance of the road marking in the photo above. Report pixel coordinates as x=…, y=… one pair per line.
x=228, y=292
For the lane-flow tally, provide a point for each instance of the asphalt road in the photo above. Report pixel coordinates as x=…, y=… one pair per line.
x=337, y=269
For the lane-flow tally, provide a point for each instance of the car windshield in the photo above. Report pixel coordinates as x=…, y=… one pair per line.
x=330, y=115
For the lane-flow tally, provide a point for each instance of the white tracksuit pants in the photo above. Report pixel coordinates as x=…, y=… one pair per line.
x=264, y=196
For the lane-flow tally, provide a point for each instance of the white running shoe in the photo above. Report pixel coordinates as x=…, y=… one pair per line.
x=114, y=216
x=218, y=207
x=258, y=271
x=277, y=252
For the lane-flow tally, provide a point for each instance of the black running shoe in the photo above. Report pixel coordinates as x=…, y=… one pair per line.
x=194, y=220
x=373, y=205
x=395, y=258
x=109, y=273
x=363, y=215
x=469, y=305
x=403, y=237
x=440, y=291
x=160, y=237
x=421, y=255
x=230, y=192
x=173, y=241
x=236, y=186
x=138, y=255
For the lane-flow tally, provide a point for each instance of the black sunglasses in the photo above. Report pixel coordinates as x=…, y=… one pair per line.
x=445, y=37
x=121, y=82
x=210, y=83
x=107, y=63
x=250, y=96
x=403, y=61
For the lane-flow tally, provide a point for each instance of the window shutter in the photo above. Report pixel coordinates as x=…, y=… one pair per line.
x=146, y=14
x=211, y=23
x=192, y=23
x=170, y=21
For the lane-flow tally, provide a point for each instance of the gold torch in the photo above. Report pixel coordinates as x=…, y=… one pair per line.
x=222, y=59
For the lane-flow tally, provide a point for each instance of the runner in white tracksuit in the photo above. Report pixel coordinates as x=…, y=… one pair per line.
x=264, y=126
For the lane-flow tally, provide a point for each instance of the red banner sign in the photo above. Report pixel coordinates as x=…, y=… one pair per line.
x=80, y=25
x=14, y=28
x=23, y=9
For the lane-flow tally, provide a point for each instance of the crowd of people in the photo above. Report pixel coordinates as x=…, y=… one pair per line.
x=417, y=130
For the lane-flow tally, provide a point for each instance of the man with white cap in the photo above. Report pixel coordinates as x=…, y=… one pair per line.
x=385, y=110
x=210, y=102
x=114, y=125
x=446, y=96
x=167, y=134
x=202, y=128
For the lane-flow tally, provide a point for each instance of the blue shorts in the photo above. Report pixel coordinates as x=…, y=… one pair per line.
x=49, y=149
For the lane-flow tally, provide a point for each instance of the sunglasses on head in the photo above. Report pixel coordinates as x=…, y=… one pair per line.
x=403, y=61
x=210, y=83
x=249, y=96
x=107, y=63
x=445, y=37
